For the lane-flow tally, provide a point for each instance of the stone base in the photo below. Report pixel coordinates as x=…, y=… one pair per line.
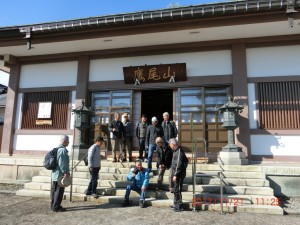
x=232, y=158
x=79, y=153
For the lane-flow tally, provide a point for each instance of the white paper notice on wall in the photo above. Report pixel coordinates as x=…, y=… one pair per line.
x=44, y=111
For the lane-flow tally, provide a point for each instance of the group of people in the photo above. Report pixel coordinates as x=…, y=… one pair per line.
x=122, y=135
x=171, y=157
x=159, y=138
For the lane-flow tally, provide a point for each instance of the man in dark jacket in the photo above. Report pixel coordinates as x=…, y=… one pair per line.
x=140, y=132
x=116, y=137
x=178, y=170
x=128, y=131
x=169, y=127
x=164, y=156
x=153, y=131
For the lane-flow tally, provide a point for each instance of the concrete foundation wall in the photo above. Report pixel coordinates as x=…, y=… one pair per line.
x=18, y=170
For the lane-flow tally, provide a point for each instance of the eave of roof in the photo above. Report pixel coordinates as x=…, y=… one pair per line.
x=170, y=14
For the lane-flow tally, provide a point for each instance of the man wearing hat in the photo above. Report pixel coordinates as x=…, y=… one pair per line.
x=128, y=131
x=61, y=171
x=153, y=131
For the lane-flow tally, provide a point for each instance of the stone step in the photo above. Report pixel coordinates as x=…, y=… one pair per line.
x=235, y=182
x=246, y=190
x=246, y=175
x=264, y=209
x=134, y=199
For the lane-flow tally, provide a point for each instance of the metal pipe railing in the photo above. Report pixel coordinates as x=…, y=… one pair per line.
x=195, y=175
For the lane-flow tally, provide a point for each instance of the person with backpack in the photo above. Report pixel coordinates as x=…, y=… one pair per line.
x=178, y=172
x=140, y=178
x=61, y=170
x=94, y=165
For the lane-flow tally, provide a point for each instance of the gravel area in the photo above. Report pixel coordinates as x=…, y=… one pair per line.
x=35, y=211
x=10, y=188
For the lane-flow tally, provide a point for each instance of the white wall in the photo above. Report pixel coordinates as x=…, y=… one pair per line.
x=283, y=145
x=19, y=111
x=72, y=117
x=4, y=77
x=273, y=61
x=38, y=142
x=198, y=64
x=48, y=75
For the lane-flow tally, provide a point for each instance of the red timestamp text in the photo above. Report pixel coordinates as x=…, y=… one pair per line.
x=267, y=201
x=213, y=201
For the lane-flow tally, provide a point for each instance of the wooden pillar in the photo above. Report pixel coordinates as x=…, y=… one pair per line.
x=81, y=92
x=240, y=93
x=10, y=109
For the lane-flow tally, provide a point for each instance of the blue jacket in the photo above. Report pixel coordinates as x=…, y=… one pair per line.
x=62, y=163
x=141, y=178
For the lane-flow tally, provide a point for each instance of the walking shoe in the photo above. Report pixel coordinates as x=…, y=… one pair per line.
x=86, y=192
x=142, y=204
x=59, y=209
x=95, y=195
x=158, y=189
x=126, y=203
x=171, y=190
x=115, y=160
x=178, y=209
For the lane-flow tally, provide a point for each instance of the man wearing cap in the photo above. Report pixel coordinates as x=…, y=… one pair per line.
x=62, y=170
x=94, y=164
x=128, y=131
x=153, y=131
x=140, y=132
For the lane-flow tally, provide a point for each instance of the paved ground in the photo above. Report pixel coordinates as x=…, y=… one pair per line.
x=35, y=211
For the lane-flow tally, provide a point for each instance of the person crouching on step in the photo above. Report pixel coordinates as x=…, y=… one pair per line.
x=140, y=178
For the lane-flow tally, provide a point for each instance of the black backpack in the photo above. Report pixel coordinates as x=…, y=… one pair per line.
x=50, y=161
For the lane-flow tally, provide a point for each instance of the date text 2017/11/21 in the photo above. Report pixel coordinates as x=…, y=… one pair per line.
x=234, y=201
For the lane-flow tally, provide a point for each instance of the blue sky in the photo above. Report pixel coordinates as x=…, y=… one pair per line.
x=22, y=12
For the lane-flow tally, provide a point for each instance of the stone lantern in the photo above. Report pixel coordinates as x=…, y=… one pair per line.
x=231, y=154
x=81, y=123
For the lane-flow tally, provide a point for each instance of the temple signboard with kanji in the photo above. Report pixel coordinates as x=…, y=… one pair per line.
x=155, y=73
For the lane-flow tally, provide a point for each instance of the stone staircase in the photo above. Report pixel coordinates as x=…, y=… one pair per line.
x=245, y=188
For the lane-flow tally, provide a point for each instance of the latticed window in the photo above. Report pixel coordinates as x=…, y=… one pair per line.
x=110, y=102
x=45, y=110
x=279, y=105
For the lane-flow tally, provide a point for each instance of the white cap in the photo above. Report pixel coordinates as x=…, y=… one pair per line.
x=154, y=119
